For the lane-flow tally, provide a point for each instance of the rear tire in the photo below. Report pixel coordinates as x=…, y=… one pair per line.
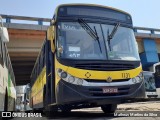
x=5, y=107
x=6, y=102
x=109, y=108
x=49, y=111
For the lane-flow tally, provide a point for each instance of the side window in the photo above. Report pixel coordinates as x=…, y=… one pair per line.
x=4, y=54
x=34, y=75
x=10, y=72
x=39, y=65
x=7, y=60
x=1, y=51
x=41, y=61
x=36, y=70
x=0, y=48
x=44, y=57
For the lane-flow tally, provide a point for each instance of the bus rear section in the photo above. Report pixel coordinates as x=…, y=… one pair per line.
x=90, y=60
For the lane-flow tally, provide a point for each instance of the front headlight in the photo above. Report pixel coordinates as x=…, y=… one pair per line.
x=138, y=78
x=63, y=75
x=79, y=81
x=69, y=78
x=134, y=80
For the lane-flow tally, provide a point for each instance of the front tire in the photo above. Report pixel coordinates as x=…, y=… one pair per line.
x=109, y=108
x=65, y=109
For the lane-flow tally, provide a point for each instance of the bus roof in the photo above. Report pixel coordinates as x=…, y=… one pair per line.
x=96, y=5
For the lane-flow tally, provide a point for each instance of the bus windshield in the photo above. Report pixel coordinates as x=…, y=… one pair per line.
x=74, y=42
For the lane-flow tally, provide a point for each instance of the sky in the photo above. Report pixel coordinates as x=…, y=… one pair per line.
x=145, y=13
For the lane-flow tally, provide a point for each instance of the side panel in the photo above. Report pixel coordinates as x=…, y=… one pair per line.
x=45, y=79
x=48, y=75
x=37, y=89
x=2, y=89
x=53, y=97
x=6, y=79
x=50, y=71
x=38, y=80
x=11, y=94
x=5, y=84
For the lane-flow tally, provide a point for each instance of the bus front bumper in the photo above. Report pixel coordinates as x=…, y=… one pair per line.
x=71, y=94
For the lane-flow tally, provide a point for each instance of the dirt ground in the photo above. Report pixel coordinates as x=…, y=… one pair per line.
x=140, y=106
x=132, y=111
x=137, y=106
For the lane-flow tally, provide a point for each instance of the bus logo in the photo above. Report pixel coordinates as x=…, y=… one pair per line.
x=88, y=75
x=6, y=114
x=109, y=79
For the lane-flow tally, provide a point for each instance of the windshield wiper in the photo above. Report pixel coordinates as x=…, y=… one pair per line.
x=90, y=31
x=110, y=36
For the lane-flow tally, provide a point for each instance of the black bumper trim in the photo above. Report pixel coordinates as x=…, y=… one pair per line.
x=69, y=94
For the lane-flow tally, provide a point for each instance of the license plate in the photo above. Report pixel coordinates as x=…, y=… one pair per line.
x=110, y=90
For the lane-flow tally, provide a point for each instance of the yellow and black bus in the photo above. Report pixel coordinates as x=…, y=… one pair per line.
x=89, y=58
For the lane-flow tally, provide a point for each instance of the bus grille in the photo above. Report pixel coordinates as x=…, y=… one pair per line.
x=105, y=66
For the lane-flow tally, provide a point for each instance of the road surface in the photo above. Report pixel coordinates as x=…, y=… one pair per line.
x=142, y=110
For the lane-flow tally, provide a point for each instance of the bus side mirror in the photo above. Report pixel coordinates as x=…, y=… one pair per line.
x=50, y=33
x=4, y=34
x=51, y=37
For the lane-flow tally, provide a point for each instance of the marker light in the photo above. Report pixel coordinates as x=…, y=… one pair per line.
x=138, y=78
x=59, y=70
x=71, y=79
x=79, y=81
x=134, y=80
x=63, y=75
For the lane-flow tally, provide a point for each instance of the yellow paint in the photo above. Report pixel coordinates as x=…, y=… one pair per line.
x=97, y=75
x=37, y=89
x=51, y=36
x=57, y=66
x=101, y=75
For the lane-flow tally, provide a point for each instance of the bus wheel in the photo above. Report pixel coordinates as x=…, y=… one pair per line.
x=65, y=108
x=109, y=108
x=6, y=102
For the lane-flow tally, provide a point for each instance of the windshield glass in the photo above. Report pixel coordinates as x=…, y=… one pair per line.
x=79, y=44
x=123, y=44
x=74, y=42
